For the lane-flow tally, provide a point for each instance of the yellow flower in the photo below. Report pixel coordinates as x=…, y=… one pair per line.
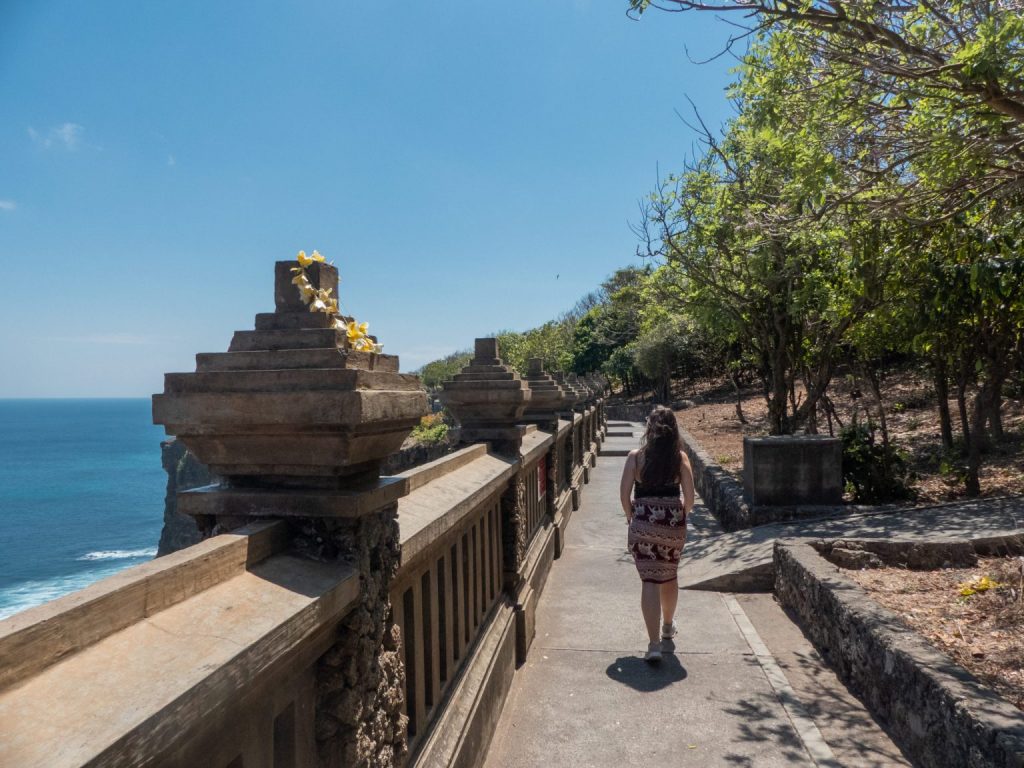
x=978, y=585
x=303, y=259
x=356, y=331
x=315, y=256
x=308, y=292
x=300, y=279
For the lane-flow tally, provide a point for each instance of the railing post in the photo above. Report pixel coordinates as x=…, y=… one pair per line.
x=548, y=399
x=297, y=423
x=488, y=399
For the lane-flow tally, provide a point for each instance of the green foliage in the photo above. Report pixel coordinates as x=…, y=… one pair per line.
x=431, y=429
x=873, y=471
x=434, y=373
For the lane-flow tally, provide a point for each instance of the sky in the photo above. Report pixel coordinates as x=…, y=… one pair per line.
x=469, y=167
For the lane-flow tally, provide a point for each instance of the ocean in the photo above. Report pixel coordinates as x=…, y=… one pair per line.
x=81, y=494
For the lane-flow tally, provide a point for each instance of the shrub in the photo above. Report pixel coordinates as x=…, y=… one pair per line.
x=873, y=471
x=431, y=429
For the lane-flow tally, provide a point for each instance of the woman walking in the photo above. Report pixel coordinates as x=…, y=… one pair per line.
x=659, y=476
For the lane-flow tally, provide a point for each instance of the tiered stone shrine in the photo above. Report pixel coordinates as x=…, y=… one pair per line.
x=583, y=395
x=488, y=399
x=547, y=398
x=290, y=402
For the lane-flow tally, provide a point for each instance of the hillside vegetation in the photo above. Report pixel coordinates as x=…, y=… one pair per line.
x=861, y=211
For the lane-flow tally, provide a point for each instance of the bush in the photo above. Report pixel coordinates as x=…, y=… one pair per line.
x=430, y=430
x=873, y=471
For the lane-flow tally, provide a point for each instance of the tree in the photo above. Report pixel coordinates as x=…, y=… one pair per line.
x=939, y=84
x=760, y=246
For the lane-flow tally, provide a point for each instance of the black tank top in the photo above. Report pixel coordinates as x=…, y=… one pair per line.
x=641, y=491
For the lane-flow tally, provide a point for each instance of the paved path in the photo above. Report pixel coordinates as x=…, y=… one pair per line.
x=586, y=698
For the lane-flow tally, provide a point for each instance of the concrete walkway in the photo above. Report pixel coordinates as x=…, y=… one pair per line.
x=585, y=697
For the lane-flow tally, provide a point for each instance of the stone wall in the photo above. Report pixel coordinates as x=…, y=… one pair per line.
x=937, y=712
x=360, y=721
x=627, y=412
x=721, y=492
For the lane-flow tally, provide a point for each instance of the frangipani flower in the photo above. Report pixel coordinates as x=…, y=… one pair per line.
x=356, y=331
x=320, y=300
x=305, y=260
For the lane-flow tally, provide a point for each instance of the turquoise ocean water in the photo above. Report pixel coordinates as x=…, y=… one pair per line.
x=81, y=494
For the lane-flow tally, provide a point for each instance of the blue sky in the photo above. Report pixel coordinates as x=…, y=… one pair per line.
x=469, y=166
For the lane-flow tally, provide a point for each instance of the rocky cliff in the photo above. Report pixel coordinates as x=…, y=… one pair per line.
x=183, y=472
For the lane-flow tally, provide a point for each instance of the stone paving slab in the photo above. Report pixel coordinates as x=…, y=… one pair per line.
x=729, y=561
x=585, y=697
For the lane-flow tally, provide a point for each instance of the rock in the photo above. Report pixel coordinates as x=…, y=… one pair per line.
x=183, y=472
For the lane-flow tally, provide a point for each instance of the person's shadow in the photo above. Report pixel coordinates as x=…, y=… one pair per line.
x=645, y=676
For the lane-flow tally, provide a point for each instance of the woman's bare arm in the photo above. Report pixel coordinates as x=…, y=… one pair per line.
x=686, y=480
x=626, y=485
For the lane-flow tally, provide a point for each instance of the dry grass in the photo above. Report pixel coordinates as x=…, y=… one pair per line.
x=913, y=422
x=984, y=632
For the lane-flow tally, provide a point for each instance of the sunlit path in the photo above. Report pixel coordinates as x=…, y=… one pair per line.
x=585, y=697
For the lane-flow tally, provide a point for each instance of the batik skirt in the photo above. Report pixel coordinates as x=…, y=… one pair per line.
x=657, y=534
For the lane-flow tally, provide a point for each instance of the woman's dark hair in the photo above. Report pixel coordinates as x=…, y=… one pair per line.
x=659, y=450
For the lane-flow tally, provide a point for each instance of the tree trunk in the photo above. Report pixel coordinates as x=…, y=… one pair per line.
x=972, y=482
x=876, y=389
x=942, y=392
x=994, y=408
x=739, y=398
x=961, y=404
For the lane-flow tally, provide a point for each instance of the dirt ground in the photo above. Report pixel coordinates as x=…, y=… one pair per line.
x=983, y=632
x=913, y=422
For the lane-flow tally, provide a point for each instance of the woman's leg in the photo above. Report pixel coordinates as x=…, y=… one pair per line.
x=650, y=604
x=669, y=596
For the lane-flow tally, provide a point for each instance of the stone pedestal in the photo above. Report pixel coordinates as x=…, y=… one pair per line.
x=488, y=398
x=547, y=397
x=792, y=470
x=297, y=424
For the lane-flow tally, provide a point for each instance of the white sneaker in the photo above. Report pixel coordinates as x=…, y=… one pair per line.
x=668, y=631
x=653, y=654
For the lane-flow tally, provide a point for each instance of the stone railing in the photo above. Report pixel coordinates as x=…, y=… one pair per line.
x=208, y=656
x=331, y=616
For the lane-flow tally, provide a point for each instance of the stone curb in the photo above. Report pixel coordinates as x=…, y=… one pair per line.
x=937, y=712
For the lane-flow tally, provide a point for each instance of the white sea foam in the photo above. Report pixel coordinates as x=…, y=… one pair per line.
x=119, y=554
x=29, y=594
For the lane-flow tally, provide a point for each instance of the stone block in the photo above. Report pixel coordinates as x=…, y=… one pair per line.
x=286, y=295
x=526, y=622
x=788, y=470
x=356, y=500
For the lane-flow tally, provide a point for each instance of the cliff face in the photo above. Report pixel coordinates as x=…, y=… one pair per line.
x=183, y=472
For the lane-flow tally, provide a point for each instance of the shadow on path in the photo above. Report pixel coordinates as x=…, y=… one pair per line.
x=645, y=677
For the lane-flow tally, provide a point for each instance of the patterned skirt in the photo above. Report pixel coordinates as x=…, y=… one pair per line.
x=657, y=534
